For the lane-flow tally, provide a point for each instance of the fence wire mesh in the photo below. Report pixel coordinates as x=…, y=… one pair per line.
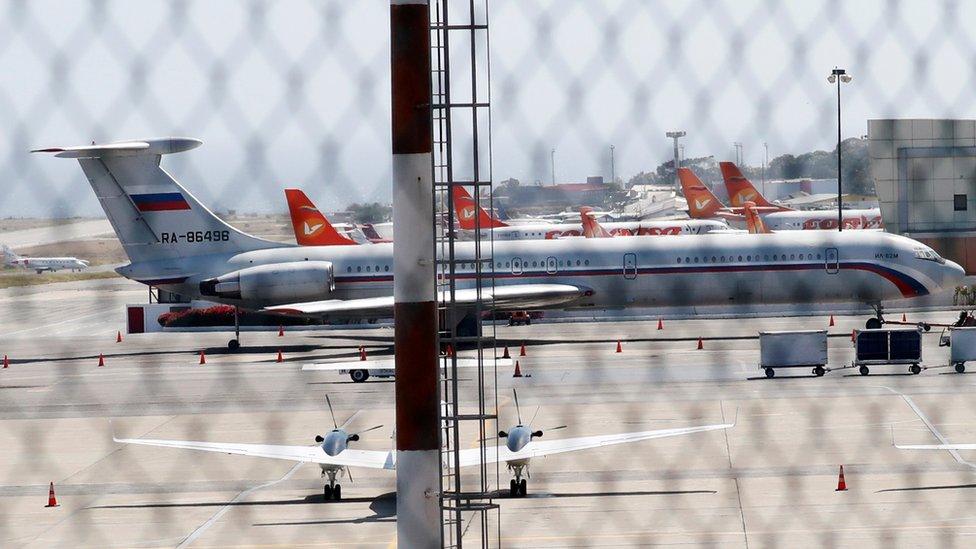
x=296, y=93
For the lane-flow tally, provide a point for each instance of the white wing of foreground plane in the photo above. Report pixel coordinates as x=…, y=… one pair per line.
x=388, y=363
x=542, y=448
x=306, y=454
x=936, y=446
x=517, y=296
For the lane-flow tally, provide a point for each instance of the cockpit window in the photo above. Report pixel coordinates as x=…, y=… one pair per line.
x=928, y=255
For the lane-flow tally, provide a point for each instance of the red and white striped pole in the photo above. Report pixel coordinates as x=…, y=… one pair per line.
x=414, y=306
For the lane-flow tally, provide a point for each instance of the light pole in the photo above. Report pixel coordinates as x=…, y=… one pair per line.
x=677, y=159
x=613, y=174
x=738, y=153
x=836, y=77
x=552, y=165
x=765, y=161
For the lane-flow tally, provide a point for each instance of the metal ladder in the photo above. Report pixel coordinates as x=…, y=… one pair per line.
x=468, y=509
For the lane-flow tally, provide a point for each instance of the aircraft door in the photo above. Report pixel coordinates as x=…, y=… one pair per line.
x=831, y=261
x=516, y=265
x=551, y=265
x=630, y=266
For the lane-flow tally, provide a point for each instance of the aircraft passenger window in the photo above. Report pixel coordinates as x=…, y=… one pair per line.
x=534, y=264
x=818, y=256
x=359, y=268
x=713, y=259
x=792, y=256
x=679, y=260
x=508, y=264
x=765, y=257
x=586, y=262
x=748, y=258
x=687, y=260
x=367, y=268
x=722, y=259
x=696, y=260
x=377, y=268
x=740, y=258
x=349, y=269
x=386, y=268
x=577, y=262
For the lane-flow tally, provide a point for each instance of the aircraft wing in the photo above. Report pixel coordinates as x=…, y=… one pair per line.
x=936, y=446
x=515, y=296
x=388, y=363
x=542, y=448
x=307, y=454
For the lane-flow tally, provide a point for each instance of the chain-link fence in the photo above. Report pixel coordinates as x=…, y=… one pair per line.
x=297, y=94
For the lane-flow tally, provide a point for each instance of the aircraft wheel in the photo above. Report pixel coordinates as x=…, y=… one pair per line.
x=513, y=488
x=523, y=487
x=873, y=323
x=359, y=376
x=864, y=370
x=960, y=367
x=233, y=345
x=337, y=492
x=327, y=492
x=819, y=371
x=915, y=369
x=770, y=373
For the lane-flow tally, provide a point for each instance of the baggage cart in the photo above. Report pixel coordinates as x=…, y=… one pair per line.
x=882, y=347
x=962, y=346
x=793, y=349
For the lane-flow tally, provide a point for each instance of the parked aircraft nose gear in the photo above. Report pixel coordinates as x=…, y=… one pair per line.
x=233, y=345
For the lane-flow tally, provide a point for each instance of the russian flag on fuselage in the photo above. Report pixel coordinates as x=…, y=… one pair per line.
x=157, y=202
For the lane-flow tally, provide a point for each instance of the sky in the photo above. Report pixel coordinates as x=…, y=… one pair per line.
x=296, y=92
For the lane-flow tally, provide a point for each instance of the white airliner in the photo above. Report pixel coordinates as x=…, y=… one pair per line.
x=334, y=456
x=176, y=243
x=42, y=264
x=467, y=210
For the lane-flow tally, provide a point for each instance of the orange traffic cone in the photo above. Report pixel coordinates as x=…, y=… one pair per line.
x=522, y=350
x=203, y=358
x=506, y=355
x=362, y=353
x=701, y=344
x=841, y=483
x=281, y=331
x=831, y=323
x=449, y=351
x=660, y=324
x=904, y=318
x=619, y=348
x=118, y=337
x=52, y=500
x=6, y=362
x=101, y=360
x=853, y=336
x=518, y=371
x=280, y=358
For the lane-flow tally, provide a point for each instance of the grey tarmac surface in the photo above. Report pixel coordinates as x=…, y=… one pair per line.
x=769, y=481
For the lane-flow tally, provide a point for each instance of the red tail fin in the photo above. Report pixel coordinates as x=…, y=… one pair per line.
x=753, y=222
x=310, y=226
x=592, y=229
x=740, y=189
x=464, y=207
x=702, y=202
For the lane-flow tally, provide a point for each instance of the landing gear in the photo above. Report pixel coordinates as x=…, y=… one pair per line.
x=359, y=375
x=864, y=370
x=819, y=371
x=878, y=320
x=960, y=367
x=331, y=490
x=235, y=343
x=770, y=373
x=518, y=486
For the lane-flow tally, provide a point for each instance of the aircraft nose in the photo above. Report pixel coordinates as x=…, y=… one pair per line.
x=953, y=274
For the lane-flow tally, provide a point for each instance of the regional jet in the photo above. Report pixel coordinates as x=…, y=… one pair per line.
x=332, y=453
x=42, y=264
x=174, y=242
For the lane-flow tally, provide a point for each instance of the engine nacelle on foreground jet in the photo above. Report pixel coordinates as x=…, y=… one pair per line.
x=278, y=282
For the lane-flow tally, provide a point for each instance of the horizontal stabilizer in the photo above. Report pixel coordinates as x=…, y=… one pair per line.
x=168, y=145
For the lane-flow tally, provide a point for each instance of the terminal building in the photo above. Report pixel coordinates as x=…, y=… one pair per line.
x=924, y=172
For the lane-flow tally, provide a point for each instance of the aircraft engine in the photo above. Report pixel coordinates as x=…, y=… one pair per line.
x=277, y=283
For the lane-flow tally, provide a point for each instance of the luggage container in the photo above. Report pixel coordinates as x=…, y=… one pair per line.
x=962, y=346
x=793, y=349
x=879, y=347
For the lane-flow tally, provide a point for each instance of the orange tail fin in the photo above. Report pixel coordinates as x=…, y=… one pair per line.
x=310, y=226
x=702, y=202
x=753, y=222
x=740, y=189
x=592, y=229
x=465, y=207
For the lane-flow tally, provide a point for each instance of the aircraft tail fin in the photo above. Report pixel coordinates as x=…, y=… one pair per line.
x=155, y=218
x=465, y=209
x=311, y=226
x=592, y=228
x=702, y=202
x=753, y=222
x=740, y=189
